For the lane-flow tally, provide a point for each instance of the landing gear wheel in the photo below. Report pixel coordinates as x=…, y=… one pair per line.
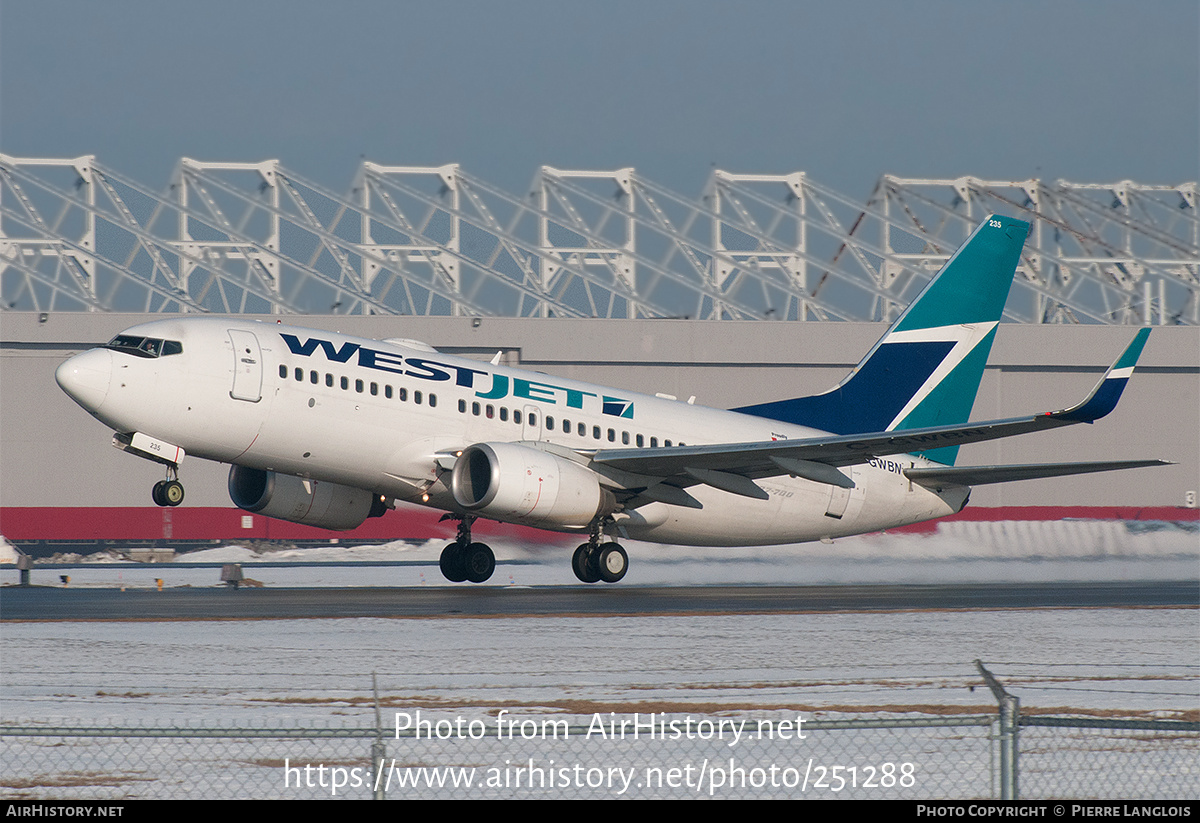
x=478, y=562
x=583, y=563
x=156, y=493
x=452, y=565
x=611, y=562
x=172, y=492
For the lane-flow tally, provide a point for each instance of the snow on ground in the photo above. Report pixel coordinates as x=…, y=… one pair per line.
x=8, y=554
x=765, y=647
x=1140, y=663
x=957, y=552
x=255, y=669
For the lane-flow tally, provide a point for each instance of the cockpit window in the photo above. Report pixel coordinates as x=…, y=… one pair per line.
x=144, y=346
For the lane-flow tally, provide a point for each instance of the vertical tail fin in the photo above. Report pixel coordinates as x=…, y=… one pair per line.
x=925, y=370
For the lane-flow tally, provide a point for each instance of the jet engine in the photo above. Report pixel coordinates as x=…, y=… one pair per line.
x=299, y=500
x=517, y=484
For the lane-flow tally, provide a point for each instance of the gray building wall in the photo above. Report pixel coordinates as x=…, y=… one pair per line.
x=53, y=454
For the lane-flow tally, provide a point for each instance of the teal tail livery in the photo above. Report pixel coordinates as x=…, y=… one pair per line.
x=926, y=370
x=327, y=430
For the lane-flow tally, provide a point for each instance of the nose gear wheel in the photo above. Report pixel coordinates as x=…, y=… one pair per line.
x=168, y=492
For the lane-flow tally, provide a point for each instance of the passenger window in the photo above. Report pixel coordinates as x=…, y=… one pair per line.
x=625, y=438
x=345, y=383
x=667, y=443
x=358, y=386
x=283, y=371
x=641, y=441
x=549, y=423
x=462, y=406
x=532, y=419
x=417, y=397
x=517, y=417
x=490, y=411
x=595, y=432
x=504, y=413
x=566, y=427
x=582, y=431
x=612, y=436
x=403, y=393
x=314, y=378
x=432, y=400
x=329, y=380
x=387, y=392
x=475, y=409
x=299, y=373
x=654, y=442
x=374, y=388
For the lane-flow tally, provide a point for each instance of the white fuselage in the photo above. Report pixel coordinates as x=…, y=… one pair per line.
x=378, y=415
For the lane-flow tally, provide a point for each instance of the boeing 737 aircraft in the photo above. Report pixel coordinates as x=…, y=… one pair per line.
x=328, y=430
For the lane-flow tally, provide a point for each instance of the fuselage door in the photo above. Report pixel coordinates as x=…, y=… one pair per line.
x=247, y=366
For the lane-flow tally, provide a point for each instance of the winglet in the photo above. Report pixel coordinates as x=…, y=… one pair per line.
x=1104, y=397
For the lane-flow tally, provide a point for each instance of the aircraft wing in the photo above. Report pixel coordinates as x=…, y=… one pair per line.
x=817, y=458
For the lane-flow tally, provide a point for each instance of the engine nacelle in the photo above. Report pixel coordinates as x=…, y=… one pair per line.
x=311, y=502
x=517, y=484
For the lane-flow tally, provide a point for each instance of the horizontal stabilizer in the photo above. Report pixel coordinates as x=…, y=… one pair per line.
x=982, y=475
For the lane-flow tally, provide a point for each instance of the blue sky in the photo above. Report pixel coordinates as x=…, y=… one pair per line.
x=1088, y=91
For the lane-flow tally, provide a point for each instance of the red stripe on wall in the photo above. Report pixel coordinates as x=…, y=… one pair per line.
x=188, y=523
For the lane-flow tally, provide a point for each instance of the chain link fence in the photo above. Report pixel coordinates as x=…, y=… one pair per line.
x=1114, y=759
x=608, y=756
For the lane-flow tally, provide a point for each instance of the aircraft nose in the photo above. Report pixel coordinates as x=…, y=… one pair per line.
x=86, y=377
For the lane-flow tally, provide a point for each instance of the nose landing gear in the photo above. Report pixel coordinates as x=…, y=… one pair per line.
x=167, y=492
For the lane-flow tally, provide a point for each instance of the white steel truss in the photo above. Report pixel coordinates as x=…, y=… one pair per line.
x=1108, y=253
x=258, y=238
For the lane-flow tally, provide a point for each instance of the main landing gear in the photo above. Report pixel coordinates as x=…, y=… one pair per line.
x=595, y=561
x=464, y=560
x=168, y=492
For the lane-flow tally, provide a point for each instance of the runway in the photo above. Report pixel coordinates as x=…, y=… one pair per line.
x=42, y=603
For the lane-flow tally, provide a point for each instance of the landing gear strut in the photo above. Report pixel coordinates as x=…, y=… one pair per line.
x=168, y=492
x=594, y=561
x=464, y=560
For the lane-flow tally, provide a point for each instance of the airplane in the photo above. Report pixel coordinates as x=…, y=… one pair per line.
x=327, y=430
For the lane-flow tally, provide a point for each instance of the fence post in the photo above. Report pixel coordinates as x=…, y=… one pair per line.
x=1010, y=711
x=378, y=751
